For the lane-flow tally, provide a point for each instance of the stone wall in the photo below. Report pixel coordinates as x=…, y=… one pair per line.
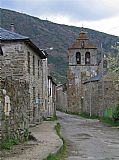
x=99, y=96
x=45, y=88
x=14, y=97
x=61, y=99
x=21, y=62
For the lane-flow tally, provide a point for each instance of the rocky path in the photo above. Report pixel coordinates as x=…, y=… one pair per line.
x=89, y=139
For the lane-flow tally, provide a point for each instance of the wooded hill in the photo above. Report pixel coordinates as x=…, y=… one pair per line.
x=46, y=34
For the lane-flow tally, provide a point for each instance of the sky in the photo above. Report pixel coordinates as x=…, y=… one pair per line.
x=101, y=15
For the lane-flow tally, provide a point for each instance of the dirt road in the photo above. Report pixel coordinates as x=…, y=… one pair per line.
x=89, y=139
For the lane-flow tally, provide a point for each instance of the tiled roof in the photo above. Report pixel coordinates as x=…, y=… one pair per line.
x=83, y=36
x=7, y=35
x=82, y=42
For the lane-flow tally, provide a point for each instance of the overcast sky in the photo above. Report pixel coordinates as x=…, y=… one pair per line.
x=101, y=15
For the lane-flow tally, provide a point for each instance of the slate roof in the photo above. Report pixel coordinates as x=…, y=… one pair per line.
x=51, y=78
x=93, y=79
x=7, y=35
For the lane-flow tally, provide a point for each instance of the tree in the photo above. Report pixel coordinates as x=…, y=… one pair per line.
x=114, y=68
x=114, y=64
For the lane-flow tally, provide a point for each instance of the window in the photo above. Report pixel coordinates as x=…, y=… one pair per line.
x=78, y=57
x=82, y=44
x=1, y=52
x=28, y=58
x=105, y=64
x=38, y=69
x=34, y=95
x=38, y=98
x=50, y=92
x=33, y=65
x=87, y=58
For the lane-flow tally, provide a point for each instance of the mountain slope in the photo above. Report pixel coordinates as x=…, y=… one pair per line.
x=47, y=34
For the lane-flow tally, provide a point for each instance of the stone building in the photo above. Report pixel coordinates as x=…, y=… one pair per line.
x=23, y=60
x=51, y=96
x=82, y=62
x=91, y=87
x=62, y=97
x=100, y=95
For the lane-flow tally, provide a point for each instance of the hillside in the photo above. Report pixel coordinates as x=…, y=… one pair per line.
x=47, y=34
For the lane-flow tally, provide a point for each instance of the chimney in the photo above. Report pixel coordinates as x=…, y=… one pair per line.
x=12, y=27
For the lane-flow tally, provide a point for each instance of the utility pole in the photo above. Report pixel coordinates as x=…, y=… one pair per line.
x=90, y=94
x=102, y=73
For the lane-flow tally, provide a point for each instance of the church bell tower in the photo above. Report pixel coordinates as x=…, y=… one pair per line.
x=82, y=63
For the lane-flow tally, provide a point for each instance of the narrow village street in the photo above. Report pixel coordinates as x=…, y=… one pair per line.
x=89, y=139
x=50, y=62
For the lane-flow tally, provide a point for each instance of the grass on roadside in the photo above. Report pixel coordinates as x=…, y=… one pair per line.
x=109, y=121
x=83, y=114
x=86, y=115
x=102, y=119
x=8, y=143
x=62, y=150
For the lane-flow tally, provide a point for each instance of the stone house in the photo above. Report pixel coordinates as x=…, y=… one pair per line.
x=51, y=96
x=23, y=60
x=45, y=84
x=62, y=97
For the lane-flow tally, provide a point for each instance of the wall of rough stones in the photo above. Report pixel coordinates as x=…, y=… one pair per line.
x=14, y=123
x=14, y=63
x=99, y=96
x=61, y=97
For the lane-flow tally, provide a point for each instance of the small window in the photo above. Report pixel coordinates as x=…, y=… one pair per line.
x=34, y=94
x=38, y=68
x=1, y=51
x=50, y=92
x=78, y=57
x=73, y=103
x=28, y=56
x=87, y=58
x=82, y=44
x=105, y=64
x=33, y=65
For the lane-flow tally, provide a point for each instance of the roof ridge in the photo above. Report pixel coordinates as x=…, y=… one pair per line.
x=8, y=35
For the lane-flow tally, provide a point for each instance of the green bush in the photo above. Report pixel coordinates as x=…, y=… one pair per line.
x=52, y=157
x=26, y=134
x=109, y=121
x=115, y=115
